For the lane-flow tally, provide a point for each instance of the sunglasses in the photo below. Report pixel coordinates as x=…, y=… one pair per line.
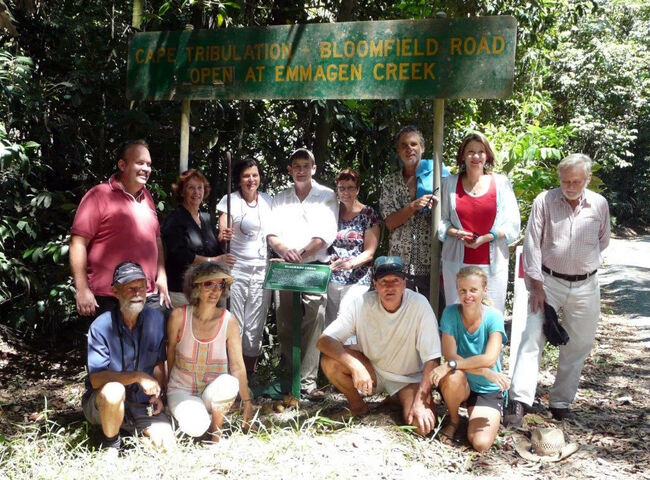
x=214, y=284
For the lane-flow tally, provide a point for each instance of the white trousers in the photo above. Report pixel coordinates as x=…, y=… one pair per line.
x=193, y=413
x=580, y=303
x=249, y=303
x=497, y=284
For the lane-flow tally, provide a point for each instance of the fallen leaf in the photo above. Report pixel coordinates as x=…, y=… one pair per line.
x=36, y=417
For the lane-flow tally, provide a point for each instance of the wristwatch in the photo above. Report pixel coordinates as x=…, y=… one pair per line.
x=452, y=364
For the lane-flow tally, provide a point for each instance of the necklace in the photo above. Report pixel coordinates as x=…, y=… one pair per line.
x=212, y=323
x=252, y=204
x=249, y=230
x=208, y=318
x=195, y=216
x=474, y=190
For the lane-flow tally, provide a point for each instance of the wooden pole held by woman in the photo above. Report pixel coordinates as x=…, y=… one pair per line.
x=229, y=191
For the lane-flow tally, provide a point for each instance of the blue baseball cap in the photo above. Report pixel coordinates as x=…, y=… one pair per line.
x=391, y=265
x=127, y=272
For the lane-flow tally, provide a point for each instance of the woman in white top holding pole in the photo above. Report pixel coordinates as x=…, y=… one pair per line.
x=250, y=215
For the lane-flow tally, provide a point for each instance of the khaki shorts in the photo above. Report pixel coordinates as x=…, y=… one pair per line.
x=135, y=415
x=389, y=386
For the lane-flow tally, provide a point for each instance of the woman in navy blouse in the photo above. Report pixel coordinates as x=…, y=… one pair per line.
x=188, y=235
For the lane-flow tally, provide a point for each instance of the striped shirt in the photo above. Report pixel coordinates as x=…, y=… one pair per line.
x=565, y=240
x=198, y=362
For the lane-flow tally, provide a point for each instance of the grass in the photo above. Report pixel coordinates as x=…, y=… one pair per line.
x=294, y=444
x=297, y=443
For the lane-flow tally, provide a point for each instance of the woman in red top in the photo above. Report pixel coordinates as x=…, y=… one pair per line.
x=479, y=218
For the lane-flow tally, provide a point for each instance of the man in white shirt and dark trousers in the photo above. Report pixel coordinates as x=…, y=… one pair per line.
x=305, y=221
x=398, y=346
x=567, y=231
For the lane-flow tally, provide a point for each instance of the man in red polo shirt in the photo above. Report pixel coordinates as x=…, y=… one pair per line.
x=116, y=221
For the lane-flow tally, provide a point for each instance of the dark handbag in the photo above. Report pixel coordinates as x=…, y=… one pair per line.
x=555, y=334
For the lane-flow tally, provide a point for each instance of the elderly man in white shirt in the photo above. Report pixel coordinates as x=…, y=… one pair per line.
x=304, y=225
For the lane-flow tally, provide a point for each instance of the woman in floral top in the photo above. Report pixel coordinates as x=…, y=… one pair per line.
x=354, y=246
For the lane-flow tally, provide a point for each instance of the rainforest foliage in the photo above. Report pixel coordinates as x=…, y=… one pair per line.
x=582, y=83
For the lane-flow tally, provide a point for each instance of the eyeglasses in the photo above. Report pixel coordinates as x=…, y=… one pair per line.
x=472, y=153
x=341, y=188
x=214, y=285
x=249, y=228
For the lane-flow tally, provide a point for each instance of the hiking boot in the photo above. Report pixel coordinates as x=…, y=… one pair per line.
x=111, y=446
x=514, y=416
x=561, y=413
x=536, y=407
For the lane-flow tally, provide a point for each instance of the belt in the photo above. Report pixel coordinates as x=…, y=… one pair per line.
x=568, y=278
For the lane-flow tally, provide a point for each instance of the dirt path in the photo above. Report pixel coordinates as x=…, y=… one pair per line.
x=612, y=410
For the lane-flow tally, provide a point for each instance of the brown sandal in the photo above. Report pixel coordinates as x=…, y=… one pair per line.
x=449, y=431
x=313, y=395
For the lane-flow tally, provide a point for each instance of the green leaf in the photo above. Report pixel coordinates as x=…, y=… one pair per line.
x=164, y=8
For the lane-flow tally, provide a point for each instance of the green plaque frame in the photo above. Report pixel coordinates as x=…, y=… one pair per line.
x=297, y=277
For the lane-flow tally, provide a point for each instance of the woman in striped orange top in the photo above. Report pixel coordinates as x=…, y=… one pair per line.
x=204, y=345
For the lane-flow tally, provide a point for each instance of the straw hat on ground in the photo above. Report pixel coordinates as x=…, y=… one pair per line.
x=545, y=445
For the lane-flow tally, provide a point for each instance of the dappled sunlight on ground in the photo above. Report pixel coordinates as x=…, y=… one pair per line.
x=611, y=423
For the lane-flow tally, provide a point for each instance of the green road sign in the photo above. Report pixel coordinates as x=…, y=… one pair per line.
x=438, y=58
x=297, y=277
